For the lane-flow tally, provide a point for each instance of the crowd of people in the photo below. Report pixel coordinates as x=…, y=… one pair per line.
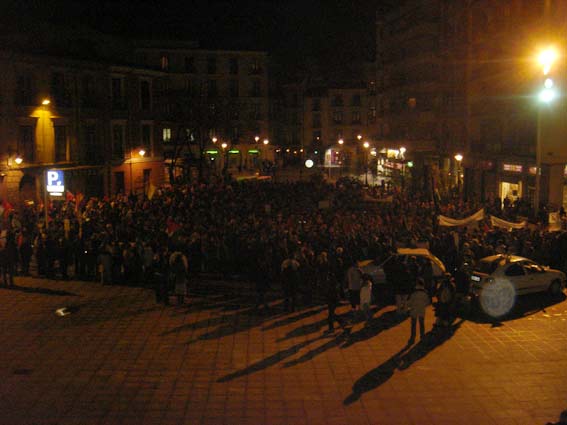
x=304, y=235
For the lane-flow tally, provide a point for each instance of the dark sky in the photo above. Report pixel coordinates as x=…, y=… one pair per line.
x=330, y=31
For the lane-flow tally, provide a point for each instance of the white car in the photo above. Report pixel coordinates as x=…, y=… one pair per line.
x=376, y=270
x=526, y=276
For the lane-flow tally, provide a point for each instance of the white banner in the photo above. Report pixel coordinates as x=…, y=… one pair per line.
x=498, y=222
x=453, y=222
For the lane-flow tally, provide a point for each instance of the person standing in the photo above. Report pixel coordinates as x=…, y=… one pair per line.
x=417, y=303
x=366, y=297
x=354, y=280
x=179, y=269
x=289, y=279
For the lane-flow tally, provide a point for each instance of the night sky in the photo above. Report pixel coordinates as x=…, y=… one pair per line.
x=327, y=32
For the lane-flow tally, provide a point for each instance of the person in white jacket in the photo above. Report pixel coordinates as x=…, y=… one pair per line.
x=417, y=303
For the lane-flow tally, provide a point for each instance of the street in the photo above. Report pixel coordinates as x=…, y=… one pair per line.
x=115, y=357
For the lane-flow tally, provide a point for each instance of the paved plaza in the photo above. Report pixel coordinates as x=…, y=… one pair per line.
x=115, y=357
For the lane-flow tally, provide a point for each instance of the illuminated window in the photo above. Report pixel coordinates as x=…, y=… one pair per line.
x=164, y=62
x=512, y=168
x=166, y=135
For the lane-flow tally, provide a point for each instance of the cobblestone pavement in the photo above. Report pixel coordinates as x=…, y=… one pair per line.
x=118, y=358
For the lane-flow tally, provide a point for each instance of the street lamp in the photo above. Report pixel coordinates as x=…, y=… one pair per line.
x=359, y=137
x=214, y=139
x=18, y=160
x=366, y=146
x=459, y=158
x=45, y=102
x=341, y=141
x=546, y=59
x=142, y=152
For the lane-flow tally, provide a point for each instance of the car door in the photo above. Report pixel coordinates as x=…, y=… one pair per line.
x=516, y=274
x=535, y=277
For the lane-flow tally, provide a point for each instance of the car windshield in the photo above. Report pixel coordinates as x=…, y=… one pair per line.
x=487, y=267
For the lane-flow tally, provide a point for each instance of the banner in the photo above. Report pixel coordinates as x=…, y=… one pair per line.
x=453, y=222
x=498, y=222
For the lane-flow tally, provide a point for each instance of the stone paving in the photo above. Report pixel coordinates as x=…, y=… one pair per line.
x=118, y=358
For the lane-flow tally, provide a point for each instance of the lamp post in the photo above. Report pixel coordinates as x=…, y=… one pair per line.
x=459, y=158
x=546, y=59
x=366, y=146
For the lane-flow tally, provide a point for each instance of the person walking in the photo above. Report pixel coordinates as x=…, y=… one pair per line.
x=417, y=303
x=179, y=269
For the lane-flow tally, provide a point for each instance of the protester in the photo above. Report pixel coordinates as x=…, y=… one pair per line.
x=354, y=280
x=417, y=303
x=179, y=269
x=366, y=297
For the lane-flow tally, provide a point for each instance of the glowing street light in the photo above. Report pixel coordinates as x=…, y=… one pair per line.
x=359, y=137
x=224, y=145
x=257, y=139
x=214, y=139
x=459, y=157
x=547, y=58
x=266, y=141
x=141, y=152
x=18, y=160
x=341, y=141
x=45, y=102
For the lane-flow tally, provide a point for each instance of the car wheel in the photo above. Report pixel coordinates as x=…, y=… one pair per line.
x=555, y=288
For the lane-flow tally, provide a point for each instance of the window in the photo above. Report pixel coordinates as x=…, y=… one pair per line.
x=256, y=112
x=117, y=94
x=166, y=135
x=88, y=94
x=211, y=65
x=337, y=100
x=188, y=87
x=255, y=90
x=164, y=62
x=316, y=120
x=316, y=104
x=145, y=97
x=356, y=117
x=189, y=64
x=147, y=144
x=60, y=143
x=233, y=66
x=118, y=141
x=337, y=117
x=356, y=100
x=372, y=88
x=119, y=182
x=234, y=88
x=372, y=115
x=255, y=66
x=515, y=269
x=58, y=89
x=212, y=88
x=93, y=152
x=26, y=142
x=24, y=90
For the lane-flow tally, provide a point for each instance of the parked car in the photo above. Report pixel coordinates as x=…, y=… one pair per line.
x=525, y=275
x=375, y=269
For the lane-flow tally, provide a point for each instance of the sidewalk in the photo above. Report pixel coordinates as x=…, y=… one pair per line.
x=119, y=358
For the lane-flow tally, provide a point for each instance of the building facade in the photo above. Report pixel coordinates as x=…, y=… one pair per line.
x=214, y=105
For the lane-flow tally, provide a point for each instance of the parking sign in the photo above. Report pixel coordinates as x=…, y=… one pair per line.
x=54, y=182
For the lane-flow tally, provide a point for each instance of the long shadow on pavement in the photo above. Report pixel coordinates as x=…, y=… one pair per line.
x=376, y=325
x=292, y=319
x=269, y=361
x=42, y=291
x=402, y=360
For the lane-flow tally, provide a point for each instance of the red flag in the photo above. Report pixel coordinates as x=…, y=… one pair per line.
x=8, y=208
x=172, y=226
x=78, y=200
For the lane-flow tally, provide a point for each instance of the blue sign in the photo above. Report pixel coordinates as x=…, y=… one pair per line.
x=54, y=182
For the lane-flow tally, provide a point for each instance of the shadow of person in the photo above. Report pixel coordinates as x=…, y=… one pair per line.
x=376, y=325
x=268, y=361
x=402, y=360
x=42, y=291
